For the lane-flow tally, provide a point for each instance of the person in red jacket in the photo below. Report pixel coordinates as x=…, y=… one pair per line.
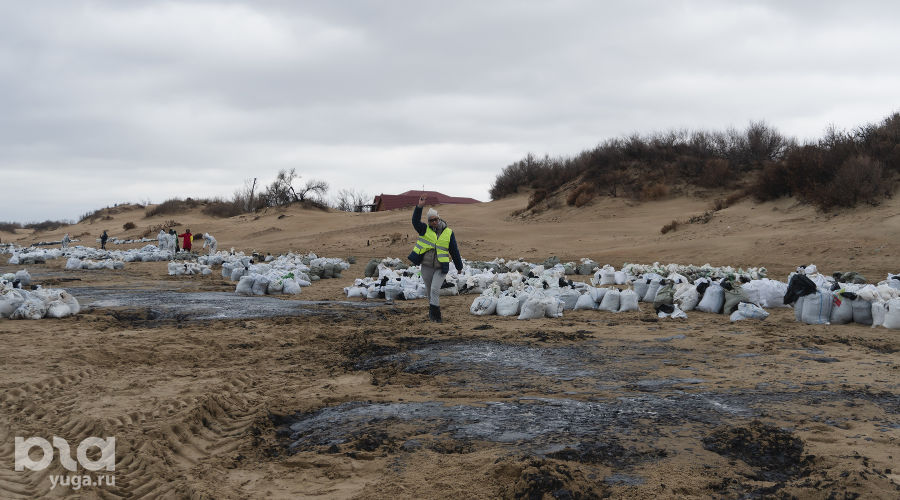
x=188, y=238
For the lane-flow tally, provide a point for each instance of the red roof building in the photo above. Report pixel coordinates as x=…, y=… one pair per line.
x=411, y=199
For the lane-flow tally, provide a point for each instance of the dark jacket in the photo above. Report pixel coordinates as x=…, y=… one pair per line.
x=421, y=227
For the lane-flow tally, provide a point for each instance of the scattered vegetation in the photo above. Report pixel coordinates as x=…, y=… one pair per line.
x=156, y=228
x=842, y=169
x=128, y=225
x=10, y=227
x=47, y=225
x=669, y=227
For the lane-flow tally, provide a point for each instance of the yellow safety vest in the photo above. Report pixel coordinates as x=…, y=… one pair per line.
x=440, y=245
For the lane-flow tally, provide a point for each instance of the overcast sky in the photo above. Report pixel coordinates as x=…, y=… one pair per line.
x=106, y=102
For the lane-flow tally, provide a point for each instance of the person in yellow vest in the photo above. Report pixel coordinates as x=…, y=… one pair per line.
x=434, y=249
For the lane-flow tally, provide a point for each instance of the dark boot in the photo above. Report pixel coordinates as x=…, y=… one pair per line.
x=434, y=313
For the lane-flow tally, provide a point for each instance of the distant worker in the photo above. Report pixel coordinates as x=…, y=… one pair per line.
x=64, y=244
x=187, y=238
x=209, y=241
x=173, y=240
x=162, y=241
x=103, y=238
x=433, y=251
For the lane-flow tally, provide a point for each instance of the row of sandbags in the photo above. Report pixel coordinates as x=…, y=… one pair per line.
x=18, y=279
x=285, y=274
x=17, y=303
x=538, y=303
x=188, y=269
x=74, y=263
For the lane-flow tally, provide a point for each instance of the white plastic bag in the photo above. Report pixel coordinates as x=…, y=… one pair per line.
x=585, y=302
x=686, y=296
x=862, y=311
x=892, y=314
x=245, y=285
x=816, y=308
x=713, y=299
x=507, y=306
x=533, y=308
x=553, y=307
x=748, y=311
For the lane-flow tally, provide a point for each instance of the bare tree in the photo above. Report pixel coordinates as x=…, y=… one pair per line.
x=312, y=190
x=350, y=200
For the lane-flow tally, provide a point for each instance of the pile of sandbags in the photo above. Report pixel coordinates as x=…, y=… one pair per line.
x=74, y=263
x=18, y=279
x=16, y=303
x=188, y=269
x=530, y=302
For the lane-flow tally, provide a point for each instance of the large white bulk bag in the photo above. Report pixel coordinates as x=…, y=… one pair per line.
x=290, y=287
x=483, y=306
x=862, y=311
x=816, y=308
x=32, y=308
x=275, y=286
x=553, y=307
x=238, y=272
x=585, y=302
x=610, y=301
x=58, y=309
x=713, y=299
x=507, y=306
x=607, y=276
x=621, y=278
x=10, y=300
x=260, y=284
x=628, y=301
x=533, y=308
x=892, y=314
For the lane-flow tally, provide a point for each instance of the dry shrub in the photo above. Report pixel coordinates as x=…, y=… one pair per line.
x=156, y=228
x=171, y=206
x=734, y=198
x=47, y=225
x=669, y=227
x=858, y=180
x=395, y=237
x=655, y=191
x=581, y=195
x=715, y=173
x=536, y=197
x=223, y=209
x=128, y=225
x=10, y=227
x=772, y=183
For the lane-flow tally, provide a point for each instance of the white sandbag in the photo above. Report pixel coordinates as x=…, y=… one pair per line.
x=226, y=270
x=58, y=309
x=607, y=276
x=174, y=268
x=507, y=306
x=585, y=302
x=816, y=308
x=597, y=294
x=290, y=287
x=533, y=308
x=610, y=301
x=892, y=314
x=245, y=286
x=766, y=292
x=748, y=311
x=862, y=311
x=675, y=314
x=260, y=284
x=686, y=296
x=373, y=292
x=73, y=264
x=621, y=278
x=877, y=314
x=238, y=273
x=449, y=291
x=553, y=307
x=483, y=305
x=32, y=308
x=275, y=287
x=569, y=298
x=356, y=292
x=393, y=291
x=628, y=301
x=843, y=313
x=713, y=299
x=640, y=287
x=650, y=294
x=10, y=300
